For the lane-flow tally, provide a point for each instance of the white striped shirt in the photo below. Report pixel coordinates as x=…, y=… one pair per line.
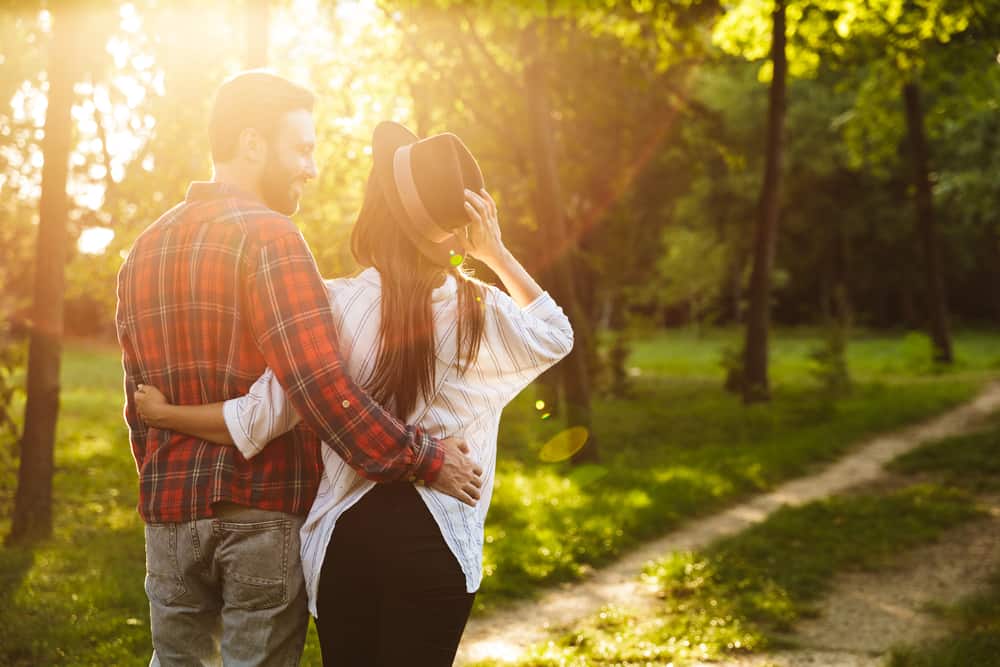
x=518, y=344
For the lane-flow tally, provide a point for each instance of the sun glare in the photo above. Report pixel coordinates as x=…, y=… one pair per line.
x=356, y=15
x=95, y=240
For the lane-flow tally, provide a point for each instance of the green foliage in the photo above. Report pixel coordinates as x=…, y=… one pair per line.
x=657, y=117
x=917, y=352
x=830, y=365
x=830, y=360
x=692, y=269
x=12, y=355
x=731, y=361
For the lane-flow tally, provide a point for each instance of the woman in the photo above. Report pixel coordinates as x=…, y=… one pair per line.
x=392, y=569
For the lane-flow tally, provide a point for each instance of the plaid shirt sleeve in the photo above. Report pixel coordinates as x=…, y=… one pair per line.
x=291, y=319
x=130, y=366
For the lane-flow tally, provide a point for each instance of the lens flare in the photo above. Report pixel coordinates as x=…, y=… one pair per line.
x=564, y=445
x=539, y=405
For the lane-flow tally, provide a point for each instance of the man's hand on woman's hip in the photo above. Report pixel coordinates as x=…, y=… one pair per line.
x=460, y=476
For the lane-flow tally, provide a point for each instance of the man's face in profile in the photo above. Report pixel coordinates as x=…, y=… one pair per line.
x=289, y=162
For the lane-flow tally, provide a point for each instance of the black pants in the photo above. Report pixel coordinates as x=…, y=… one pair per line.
x=391, y=592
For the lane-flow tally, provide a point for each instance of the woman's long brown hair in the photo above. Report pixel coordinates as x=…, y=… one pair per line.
x=404, y=366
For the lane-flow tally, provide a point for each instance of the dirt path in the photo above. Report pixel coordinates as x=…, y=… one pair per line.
x=867, y=613
x=505, y=634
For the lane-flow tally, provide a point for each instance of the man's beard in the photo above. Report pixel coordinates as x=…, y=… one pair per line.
x=276, y=188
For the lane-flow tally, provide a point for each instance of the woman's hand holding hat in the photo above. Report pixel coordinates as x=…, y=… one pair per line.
x=482, y=236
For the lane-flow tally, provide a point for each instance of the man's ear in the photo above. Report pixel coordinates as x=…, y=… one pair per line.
x=252, y=146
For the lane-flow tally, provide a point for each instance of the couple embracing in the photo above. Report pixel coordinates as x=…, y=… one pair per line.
x=320, y=447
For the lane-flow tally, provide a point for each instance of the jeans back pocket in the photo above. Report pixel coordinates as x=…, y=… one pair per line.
x=254, y=559
x=164, y=583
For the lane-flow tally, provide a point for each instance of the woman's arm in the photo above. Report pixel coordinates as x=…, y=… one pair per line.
x=202, y=421
x=484, y=244
x=526, y=332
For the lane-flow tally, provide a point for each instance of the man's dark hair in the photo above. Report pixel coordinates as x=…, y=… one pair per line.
x=254, y=98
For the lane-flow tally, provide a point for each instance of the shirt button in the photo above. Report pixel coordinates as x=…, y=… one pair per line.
x=346, y=403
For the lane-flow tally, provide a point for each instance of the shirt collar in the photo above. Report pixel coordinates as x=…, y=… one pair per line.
x=445, y=291
x=202, y=190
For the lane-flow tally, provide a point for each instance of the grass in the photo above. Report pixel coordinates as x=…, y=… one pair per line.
x=743, y=592
x=680, y=447
x=971, y=462
x=974, y=641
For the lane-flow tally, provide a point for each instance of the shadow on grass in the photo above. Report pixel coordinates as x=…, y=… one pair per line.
x=15, y=561
x=75, y=599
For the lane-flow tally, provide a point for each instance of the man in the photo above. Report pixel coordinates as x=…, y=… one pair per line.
x=220, y=287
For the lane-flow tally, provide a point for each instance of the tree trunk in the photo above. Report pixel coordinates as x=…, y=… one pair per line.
x=32, y=517
x=937, y=304
x=834, y=305
x=733, y=291
x=908, y=309
x=620, y=348
x=258, y=20
x=843, y=310
x=560, y=247
x=755, y=381
x=992, y=242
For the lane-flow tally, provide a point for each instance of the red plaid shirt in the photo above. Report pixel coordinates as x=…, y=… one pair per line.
x=217, y=289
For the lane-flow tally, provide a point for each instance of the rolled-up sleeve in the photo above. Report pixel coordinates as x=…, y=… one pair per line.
x=137, y=432
x=259, y=416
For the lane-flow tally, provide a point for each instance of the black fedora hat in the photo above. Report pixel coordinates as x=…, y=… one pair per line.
x=424, y=182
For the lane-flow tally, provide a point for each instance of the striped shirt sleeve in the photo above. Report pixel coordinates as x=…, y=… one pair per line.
x=259, y=416
x=521, y=343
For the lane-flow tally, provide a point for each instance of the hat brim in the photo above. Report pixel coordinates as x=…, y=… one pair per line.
x=387, y=138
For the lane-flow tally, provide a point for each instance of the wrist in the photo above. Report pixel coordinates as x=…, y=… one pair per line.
x=429, y=456
x=497, y=258
x=160, y=415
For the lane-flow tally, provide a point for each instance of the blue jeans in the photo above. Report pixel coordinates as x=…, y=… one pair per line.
x=227, y=590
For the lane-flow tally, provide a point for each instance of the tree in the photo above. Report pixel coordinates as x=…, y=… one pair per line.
x=927, y=225
x=904, y=37
x=560, y=254
x=755, y=380
x=32, y=517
